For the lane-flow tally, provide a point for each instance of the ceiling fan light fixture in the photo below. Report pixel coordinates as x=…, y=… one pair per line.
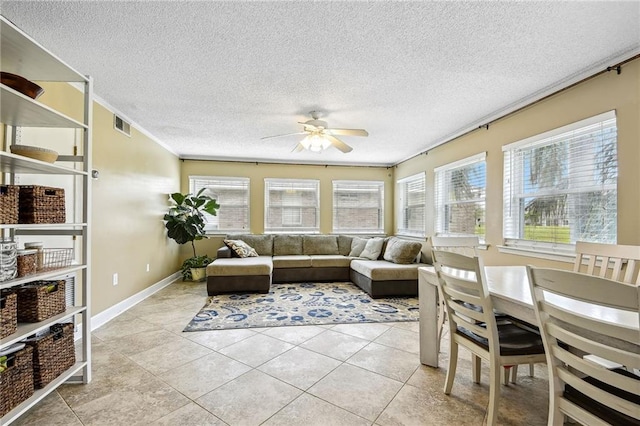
x=315, y=142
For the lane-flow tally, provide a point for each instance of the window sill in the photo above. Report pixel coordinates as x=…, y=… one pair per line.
x=538, y=253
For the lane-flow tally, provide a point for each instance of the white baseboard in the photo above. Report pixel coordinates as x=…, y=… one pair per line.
x=107, y=315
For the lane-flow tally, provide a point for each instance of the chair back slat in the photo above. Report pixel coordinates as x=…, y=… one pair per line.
x=613, y=261
x=573, y=310
x=461, y=245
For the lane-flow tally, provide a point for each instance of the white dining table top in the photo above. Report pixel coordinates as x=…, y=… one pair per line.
x=510, y=283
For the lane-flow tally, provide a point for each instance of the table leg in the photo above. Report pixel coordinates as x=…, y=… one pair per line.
x=429, y=345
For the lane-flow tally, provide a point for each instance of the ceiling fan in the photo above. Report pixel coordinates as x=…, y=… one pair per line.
x=320, y=137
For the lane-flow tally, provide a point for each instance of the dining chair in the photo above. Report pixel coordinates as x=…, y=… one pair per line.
x=473, y=325
x=566, y=304
x=614, y=261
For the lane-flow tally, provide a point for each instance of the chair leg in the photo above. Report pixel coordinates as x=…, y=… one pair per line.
x=476, y=365
x=453, y=362
x=494, y=394
x=442, y=312
x=531, y=369
x=514, y=373
x=506, y=373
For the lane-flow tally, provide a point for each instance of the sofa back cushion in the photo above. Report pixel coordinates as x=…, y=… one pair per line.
x=401, y=251
x=344, y=244
x=287, y=244
x=262, y=243
x=319, y=244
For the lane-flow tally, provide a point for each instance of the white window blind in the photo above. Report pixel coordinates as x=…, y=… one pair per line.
x=232, y=193
x=358, y=207
x=292, y=205
x=411, y=206
x=561, y=186
x=460, y=189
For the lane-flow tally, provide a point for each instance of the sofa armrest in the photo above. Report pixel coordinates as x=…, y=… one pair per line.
x=223, y=252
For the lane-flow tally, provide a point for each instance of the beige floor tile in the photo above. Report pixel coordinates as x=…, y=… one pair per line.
x=123, y=325
x=367, y=331
x=51, y=411
x=250, y=399
x=311, y=411
x=390, y=362
x=169, y=356
x=256, y=350
x=300, y=367
x=189, y=415
x=336, y=345
x=218, y=339
x=294, y=335
x=356, y=390
x=198, y=377
x=140, y=342
x=399, y=338
x=408, y=325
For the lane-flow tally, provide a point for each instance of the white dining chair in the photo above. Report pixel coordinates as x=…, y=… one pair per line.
x=473, y=325
x=588, y=392
x=613, y=261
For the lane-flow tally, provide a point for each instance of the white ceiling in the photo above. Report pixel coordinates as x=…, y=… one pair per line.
x=209, y=79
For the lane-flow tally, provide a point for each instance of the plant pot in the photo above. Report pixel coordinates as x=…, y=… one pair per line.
x=198, y=274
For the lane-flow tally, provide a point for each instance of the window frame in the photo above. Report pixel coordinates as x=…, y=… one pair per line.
x=440, y=196
x=242, y=182
x=402, y=188
x=292, y=229
x=355, y=185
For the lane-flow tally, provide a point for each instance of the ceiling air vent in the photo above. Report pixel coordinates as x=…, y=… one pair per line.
x=120, y=124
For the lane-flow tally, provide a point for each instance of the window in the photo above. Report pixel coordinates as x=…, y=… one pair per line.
x=561, y=186
x=411, y=210
x=232, y=193
x=358, y=207
x=460, y=197
x=292, y=205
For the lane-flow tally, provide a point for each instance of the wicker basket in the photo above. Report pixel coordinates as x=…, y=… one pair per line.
x=41, y=204
x=27, y=262
x=16, y=382
x=9, y=203
x=53, y=353
x=40, y=300
x=8, y=314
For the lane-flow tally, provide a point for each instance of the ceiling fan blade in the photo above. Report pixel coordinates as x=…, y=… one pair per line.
x=339, y=144
x=347, y=132
x=298, y=148
x=287, y=134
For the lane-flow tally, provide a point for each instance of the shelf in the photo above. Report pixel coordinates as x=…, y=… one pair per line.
x=39, y=394
x=24, y=56
x=42, y=276
x=12, y=163
x=26, y=329
x=20, y=110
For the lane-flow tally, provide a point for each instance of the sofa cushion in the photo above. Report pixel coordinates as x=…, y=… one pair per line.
x=319, y=244
x=344, y=244
x=329, y=261
x=261, y=265
x=372, y=249
x=240, y=248
x=357, y=245
x=287, y=244
x=381, y=270
x=402, y=252
x=262, y=243
x=292, y=261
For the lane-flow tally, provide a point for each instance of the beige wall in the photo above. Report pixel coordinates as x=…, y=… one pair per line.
x=129, y=200
x=603, y=93
x=258, y=172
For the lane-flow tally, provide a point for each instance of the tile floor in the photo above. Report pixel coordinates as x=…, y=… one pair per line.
x=146, y=371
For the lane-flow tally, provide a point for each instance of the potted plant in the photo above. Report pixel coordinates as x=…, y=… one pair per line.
x=185, y=223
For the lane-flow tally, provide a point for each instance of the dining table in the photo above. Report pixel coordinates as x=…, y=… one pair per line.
x=510, y=294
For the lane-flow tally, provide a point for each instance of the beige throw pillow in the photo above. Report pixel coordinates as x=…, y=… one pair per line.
x=402, y=252
x=241, y=248
x=357, y=245
x=372, y=249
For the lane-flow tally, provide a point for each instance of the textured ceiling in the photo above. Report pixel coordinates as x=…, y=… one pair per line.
x=209, y=79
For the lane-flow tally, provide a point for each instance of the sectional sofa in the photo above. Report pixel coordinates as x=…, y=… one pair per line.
x=382, y=267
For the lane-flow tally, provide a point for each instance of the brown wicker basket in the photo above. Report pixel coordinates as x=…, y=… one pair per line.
x=41, y=204
x=27, y=262
x=9, y=203
x=8, y=314
x=53, y=353
x=40, y=300
x=16, y=382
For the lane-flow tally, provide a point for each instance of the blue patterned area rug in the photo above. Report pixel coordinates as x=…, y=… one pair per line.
x=301, y=304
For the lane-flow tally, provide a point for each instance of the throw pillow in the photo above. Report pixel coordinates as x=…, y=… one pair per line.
x=372, y=249
x=241, y=248
x=357, y=245
x=402, y=252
